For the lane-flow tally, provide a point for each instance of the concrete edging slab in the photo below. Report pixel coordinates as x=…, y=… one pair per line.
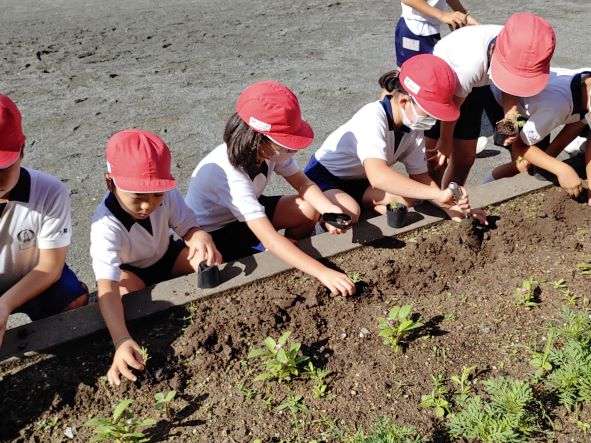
x=64, y=327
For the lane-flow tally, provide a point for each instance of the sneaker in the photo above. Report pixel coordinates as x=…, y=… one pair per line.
x=481, y=144
x=574, y=147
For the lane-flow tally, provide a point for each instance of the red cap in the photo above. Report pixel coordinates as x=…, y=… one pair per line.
x=520, y=63
x=432, y=83
x=139, y=162
x=12, y=138
x=272, y=109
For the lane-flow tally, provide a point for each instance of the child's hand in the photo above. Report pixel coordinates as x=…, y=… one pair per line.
x=337, y=282
x=127, y=354
x=439, y=157
x=202, y=247
x=4, y=313
x=570, y=181
x=455, y=19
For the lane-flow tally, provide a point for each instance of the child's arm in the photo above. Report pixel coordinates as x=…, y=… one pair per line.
x=126, y=349
x=47, y=271
x=201, y=247
x=588, y=167
x=444, y=146
x=456, y=18
x=566, y=135
x=456, y=5
x=337, y=282
x=310, y=192
x=567, y=176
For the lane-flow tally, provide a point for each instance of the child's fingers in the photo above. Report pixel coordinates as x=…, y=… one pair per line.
x=113, y=377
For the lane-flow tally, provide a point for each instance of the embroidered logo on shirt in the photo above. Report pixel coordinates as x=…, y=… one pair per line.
x=26, y=238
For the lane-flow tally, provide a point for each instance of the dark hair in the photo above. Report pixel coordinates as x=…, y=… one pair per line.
x=390, y=81
x=243, y=144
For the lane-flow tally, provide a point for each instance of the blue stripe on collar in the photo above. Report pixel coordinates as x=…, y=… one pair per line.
x=120, y=214
x=22, y=190
x=398, y=135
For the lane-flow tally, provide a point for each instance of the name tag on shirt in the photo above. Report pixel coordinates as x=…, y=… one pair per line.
x=410, y=43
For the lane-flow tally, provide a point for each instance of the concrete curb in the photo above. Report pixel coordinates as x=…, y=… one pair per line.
x=64, y=327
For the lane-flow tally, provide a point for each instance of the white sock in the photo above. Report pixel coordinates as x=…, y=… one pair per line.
x=488, y=178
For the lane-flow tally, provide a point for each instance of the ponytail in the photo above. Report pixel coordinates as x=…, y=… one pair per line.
x=390, y=81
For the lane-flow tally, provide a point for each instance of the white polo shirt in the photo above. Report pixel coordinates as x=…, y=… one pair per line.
x=421, y=24
x=558, y=104
x=370, y=134
x=36, y=217
x=466, y=52
x=220, y=194
x=116, y=238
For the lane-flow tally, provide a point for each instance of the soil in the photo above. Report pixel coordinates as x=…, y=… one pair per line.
x=459, y=279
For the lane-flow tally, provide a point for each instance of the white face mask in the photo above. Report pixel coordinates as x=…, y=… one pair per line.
x=418, y=122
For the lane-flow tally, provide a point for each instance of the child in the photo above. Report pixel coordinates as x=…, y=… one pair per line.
x=131, y=246
x=564, y=101
x=515, y=57
x=35, y=227
x=353, y=165
x=226, y=187
x=418, y=28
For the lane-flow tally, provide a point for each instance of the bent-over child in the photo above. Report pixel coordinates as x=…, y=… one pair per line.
x=131, y=245
x=226, y=188
x=36, y=230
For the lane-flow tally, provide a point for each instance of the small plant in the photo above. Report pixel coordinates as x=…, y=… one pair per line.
x=396, y=326
x=280, y=362
x=436, y=399
x=526, y=294
x=47, y=425
x=247, y=393
x=585, y=268
x=463, y=384
x=318, y=376
x=384, y=431
x=163, y=401
x=355, y=276
x=122, y=428
x=144, y=353
x=558, y=284
x=541, y=360
x=293, y=404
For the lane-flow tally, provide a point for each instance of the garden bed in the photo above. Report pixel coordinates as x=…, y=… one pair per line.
x=461, y=284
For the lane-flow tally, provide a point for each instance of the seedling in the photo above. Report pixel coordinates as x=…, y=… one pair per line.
x=541, y=360
x=47, y=424
x=585, y=268
x=558, y=284
x=280, y=362
x=144, y=353
x=355, y=276
x=507, y=127
x=526, y=294
x=318, y=376
x=293, y=403
x=396, y=326
x=436, y=399
x=122, y=428
x=163, y=401
x=463, y=383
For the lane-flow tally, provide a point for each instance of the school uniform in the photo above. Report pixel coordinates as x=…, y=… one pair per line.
x=468, y=51
x=415, y=32
x=144, y=247
x=37, y=216
x=224, y=198
x=558, y=104
x=370, y=133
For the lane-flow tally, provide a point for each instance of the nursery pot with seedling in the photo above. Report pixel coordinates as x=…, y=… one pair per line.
x=396, y=214
x=506, y=128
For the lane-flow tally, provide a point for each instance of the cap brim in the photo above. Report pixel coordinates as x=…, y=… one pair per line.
x=7, y=158
x=299, y=140
x=446, y=112
x=518, y=85
x=143, y=186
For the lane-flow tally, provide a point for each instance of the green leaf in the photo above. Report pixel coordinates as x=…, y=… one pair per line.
x=170, y=395
x=404, y=311
x=98, y=421
x=270, y=343
x=281, y=356
x=263, y=376
x=284, y=337
x=393, y=314
x=257, y=352
x=439, y=411
x=122, y=406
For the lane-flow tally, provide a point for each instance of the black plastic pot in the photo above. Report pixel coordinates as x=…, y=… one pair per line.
x=208, y=276
x=396, y=215
x=499, y=139
x=341, y=221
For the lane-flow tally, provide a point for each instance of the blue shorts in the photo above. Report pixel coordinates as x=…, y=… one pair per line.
x=326, y=181
x=55, y=298
x=407, y=44
x=468, y=125
x=162, y=269
x=236, y=240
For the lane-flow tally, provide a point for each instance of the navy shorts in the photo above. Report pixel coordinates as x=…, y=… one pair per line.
x=407, y=44
x=468, y=125
x=55, y=298
x=162, y=269
x=326, y=181
x=236, y=240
